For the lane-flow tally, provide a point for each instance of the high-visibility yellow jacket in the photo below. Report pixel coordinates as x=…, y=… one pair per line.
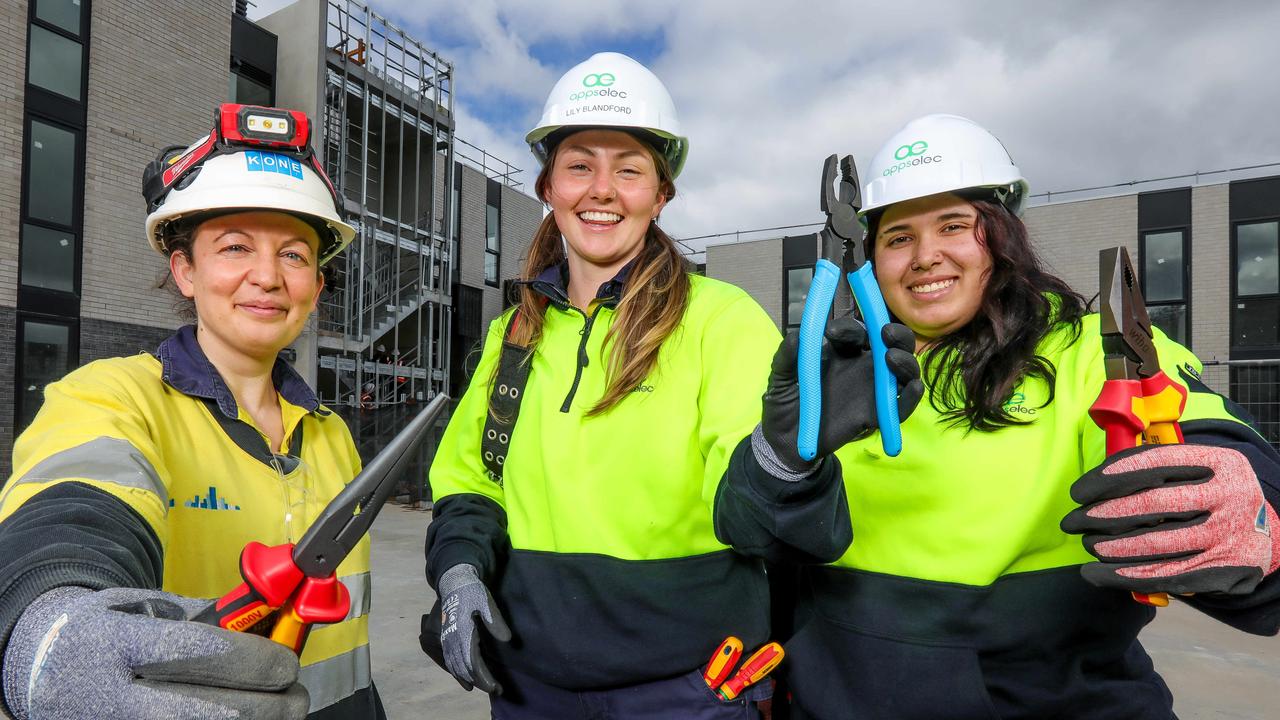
x=132, y=478
x=960, y=596
x=599, y=545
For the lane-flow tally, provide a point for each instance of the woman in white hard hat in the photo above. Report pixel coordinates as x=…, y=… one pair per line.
x=965, y=593
x=582, y=553
x=151, y=472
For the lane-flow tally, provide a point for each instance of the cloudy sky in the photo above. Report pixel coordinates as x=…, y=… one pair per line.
x=1082, y=93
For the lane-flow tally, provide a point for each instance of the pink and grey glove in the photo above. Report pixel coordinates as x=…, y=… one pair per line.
x=1177, y=519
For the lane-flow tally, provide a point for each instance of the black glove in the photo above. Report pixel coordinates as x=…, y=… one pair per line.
x=463, y=596
x=848, y=393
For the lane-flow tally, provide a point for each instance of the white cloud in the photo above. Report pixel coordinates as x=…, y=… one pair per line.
x=1083, y=93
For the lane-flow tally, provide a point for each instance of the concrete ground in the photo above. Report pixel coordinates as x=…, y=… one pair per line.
x=1216, y=673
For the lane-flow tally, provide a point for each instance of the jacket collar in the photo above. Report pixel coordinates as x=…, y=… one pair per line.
x=553, y=283
x=185, y=368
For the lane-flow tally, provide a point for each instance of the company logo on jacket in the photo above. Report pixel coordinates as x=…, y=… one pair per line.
x=210, y=501
x=1015, y=405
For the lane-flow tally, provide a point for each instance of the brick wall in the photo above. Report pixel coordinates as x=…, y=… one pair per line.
x=13, y=37
x=105, y=339
x=753, y=266
x=1068, y=236
x=8, y=331
x=1210, y=302
x=157, y=71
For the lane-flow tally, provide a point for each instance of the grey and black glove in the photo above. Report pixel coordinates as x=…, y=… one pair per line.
x=463, y=596
x=129, y=653
x=848, y=394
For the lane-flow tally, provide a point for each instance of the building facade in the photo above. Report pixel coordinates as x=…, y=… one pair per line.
x=1208, y=257
x=84, y=105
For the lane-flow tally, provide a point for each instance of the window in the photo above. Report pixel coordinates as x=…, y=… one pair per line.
x=54, y=62
x=48, y=258
x=1164, y=279
x=1256, y=285
x=796, y=290
x=45, y=353
x=50, y=225
x=65, y=14
x=248, y=91
x=51, y=173
x=492, y=244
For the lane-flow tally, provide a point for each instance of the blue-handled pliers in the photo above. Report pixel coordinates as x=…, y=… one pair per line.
x=842, y=232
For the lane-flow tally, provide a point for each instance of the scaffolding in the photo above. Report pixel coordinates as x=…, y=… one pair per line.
x=388, y=145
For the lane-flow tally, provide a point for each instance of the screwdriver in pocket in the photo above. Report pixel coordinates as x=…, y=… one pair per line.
x=761, y=663
x=722, y=662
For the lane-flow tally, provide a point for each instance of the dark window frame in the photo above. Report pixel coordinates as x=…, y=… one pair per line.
x=46, y=106
x=1249, y=352
x=1186, y=273
x=44, y=300
x=493, y=199
x=19, y=369
x=786, y=295
x=48, y=102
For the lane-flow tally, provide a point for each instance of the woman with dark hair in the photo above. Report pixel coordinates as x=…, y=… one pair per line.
x=580, y=516
x=965, y=593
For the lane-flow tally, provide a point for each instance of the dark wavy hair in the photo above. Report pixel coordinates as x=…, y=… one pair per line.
x=973, y=371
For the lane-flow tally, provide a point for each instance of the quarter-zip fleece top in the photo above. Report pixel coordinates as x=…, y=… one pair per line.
x=961, y=597
x=599, y=545
x=128, y=478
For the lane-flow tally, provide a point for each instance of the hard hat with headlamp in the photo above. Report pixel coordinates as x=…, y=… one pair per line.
x=937, y=154
x=256, y=158
x=611, y=90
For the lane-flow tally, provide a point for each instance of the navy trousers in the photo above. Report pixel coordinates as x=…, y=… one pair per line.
x=685, y=697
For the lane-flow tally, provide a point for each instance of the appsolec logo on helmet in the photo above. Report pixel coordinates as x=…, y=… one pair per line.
x=598, y=85
x=258, y=161
x=911, y=154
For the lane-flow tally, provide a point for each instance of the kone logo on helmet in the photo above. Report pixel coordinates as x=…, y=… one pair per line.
x=910, y=155
x=598, y=85
x=258, y=161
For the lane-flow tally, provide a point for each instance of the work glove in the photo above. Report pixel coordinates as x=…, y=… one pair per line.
x=1177, y=519
x=848, y=394
x=463, y=598
x=129, y=653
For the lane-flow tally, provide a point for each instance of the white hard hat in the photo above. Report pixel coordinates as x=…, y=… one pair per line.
x=611, y=90
x=220, y=174
x=937, y=154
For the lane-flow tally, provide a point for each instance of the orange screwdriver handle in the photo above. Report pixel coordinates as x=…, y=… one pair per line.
x=722, y=662
x=753, y=670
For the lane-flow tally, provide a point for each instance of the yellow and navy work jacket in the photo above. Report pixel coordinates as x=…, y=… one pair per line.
x=598, y=544
x=129, y=477
x=961, y=597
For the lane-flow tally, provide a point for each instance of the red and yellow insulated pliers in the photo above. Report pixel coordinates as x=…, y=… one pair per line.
x=1139, y=404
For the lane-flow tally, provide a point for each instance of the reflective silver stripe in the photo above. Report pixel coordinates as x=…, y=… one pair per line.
x=105, y=459
x=361, y=594
x=337, y=678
